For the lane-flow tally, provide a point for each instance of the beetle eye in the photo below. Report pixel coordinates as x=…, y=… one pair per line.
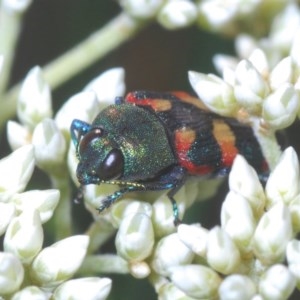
x=112, y=166
x=87, y=138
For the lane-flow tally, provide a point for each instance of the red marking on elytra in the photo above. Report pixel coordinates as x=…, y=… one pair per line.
x=184, y=139
x=229, y=152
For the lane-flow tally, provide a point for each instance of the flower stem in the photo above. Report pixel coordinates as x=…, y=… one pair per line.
x=268, y=143
x=96, y=46
x=62, y=217
x=107, y=263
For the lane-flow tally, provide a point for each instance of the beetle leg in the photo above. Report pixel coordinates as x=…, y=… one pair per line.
x=106, y=203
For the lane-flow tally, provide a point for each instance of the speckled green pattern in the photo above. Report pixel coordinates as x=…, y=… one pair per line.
x=141, y=137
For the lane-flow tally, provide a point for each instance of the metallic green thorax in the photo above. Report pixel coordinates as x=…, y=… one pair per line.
x=140, y=136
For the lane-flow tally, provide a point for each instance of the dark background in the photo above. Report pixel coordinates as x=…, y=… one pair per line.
x=156, y=59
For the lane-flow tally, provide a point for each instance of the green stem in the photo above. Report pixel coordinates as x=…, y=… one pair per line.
x=10, y=24
x=268, y=143
x=99, y=232
x=107, y=263
x=62, y=218
x=96, y=46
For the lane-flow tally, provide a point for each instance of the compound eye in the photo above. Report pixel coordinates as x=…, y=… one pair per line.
x=88, y=138
x=113, y=165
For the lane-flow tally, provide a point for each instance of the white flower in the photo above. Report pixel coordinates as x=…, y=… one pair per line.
x=124, y=208
x=276, y=283
x=222, y=254
x=83, y=106
x=15, y=172
x=24, y=236
x=281, y=107
x=196, y=281
x=16, y=6
x=170, y=252
x=293, y=258
x=34, y=102
x=17, y=135
x=283, y=184
x=194, y=237
x=169, y=291
x=216, y=94
x=139, y=269
x=272, y=234
x=7, y=212
x=177, y=14
x=250, y=88
x=44, y=201
x=135, y=237
x=236, y=287
x=108, y=85
x=141, y=8
x=236, y=210
x=282, y=73
x=11, y=273
x=90, y=288
x=58, y=262
x=244, y=181
x=32, y=293
x=49, y=146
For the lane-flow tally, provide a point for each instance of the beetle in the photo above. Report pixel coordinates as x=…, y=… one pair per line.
x=155, y=141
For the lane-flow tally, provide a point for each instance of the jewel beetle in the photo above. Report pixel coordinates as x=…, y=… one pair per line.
x=155, y=141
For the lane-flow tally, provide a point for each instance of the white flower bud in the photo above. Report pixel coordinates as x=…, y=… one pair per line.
x=294, y=207
x=282, y=73
x=44, y=201
x=272, y=234
x=245, y=45
x=7, y=212
x=238, y=221
x=222, y=254
x=17, y=135
x=259, y=60
x=222, y=62
x=216, y=15
x=284, y=181
x=177, y=14
x=143, y=9
x=196, y=281
x=108, y=85
x=49, y=146
x=170, y=252
x=244, y=181
x=34, y=102
x=215, y=93
x=169, y=291
x=24, y=236
x=139, y=269
x=237, y=287
x=32, y=293
x=250, y=88
x=16, y=6
x=276, y=283
x=293, y=258
x=15, y=172
x=72, y=161
x=89, y=288
x=11, y=273
x=163, y=217
x=124, y=208
x=83, y=106
x=135, y=237
x=58, y=262
x=194, y=237
x=281, y=107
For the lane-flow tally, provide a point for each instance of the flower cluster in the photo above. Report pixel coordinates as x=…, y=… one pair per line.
x=28, y=269
x=229, y=17
x=254, y=253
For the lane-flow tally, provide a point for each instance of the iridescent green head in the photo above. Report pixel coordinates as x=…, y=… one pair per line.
x=125, y=143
